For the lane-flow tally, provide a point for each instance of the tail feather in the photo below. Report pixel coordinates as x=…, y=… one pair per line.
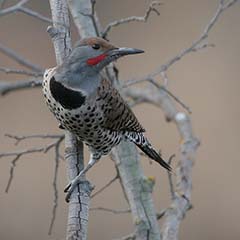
x=141, y=141
x=150, y=152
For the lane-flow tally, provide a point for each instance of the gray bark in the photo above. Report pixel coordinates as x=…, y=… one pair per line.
x=182, y=194
x=138, y=189
x=80, y=198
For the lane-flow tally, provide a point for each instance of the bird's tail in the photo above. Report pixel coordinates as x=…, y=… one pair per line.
x=140, y=140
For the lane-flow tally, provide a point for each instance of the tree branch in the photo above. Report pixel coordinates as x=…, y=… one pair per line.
x=19, y=71
x=114, y=211
x=17, y=155
x=138, y=189
x=34, y=14
x=80, y=198
x=151, y=8
x=6, y=87
x=194, y=47
x=13, y=8
x=84, y=17
x=19, y=7
x=105, y=186
x=15, y=56
x=55, y=188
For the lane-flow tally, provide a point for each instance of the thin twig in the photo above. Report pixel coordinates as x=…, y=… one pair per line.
x=13, y=8
x=19, y=154
x=177, y=100
x=55, y=189
x=18, y=58
x=6, y=87
x=181, y=103
x=19, y=7
x=194, y=47
x=105, y=186
x=110, y=210
x=18, y=139
x=151, y=8
x=32, y=13
x=131, y=236
x=172, y=191
x=13, y=165
x=92, y=16
x=20, y=71
x=17, y=157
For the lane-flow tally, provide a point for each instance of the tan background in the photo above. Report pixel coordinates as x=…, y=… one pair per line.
x=208, y=81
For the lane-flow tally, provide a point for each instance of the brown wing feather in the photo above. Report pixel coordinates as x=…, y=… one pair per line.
x=117, y=114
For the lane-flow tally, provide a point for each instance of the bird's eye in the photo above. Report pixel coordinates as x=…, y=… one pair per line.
x=96, y=46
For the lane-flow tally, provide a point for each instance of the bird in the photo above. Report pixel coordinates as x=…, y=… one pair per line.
x=88, y=105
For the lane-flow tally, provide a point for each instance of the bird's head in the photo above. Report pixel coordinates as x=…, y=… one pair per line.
x=95, y=53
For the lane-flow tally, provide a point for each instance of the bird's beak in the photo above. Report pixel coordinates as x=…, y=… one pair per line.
x=115, y=53
x=119, y=52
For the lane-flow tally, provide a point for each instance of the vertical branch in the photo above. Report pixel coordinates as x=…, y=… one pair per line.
x=80, y=199
x=138, y=190
x=136, y=186
x=181, y=201
x=84, y=17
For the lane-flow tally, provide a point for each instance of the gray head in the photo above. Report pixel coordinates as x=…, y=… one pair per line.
x=88, y=57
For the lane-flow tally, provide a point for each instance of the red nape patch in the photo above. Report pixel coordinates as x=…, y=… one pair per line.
x=96, y=60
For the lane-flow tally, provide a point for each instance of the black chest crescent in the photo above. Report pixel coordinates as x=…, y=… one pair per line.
x=68, y=98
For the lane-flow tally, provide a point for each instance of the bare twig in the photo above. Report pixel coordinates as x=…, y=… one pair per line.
x=177, y=99
x=91, y=15
x=21, y=60
x=151, y=8
x=114, y=211
x=138, y=189
x=84, y=17
x=181, y=103
x=55, y=205
x=105, y=186
x=19, y=154
x=13, y=8
x=131, y=236
x=172, y=191
x=45, y=149
x=6, y=87
x=32, y=13
x=18, y=139
x=19, y=7
x=194, y=47
x=20, y=71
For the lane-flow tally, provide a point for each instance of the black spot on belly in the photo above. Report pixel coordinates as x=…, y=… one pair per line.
x=68, y=98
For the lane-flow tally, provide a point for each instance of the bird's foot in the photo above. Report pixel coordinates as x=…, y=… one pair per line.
x=71, y=186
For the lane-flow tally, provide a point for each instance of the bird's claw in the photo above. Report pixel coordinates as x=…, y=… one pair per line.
x=70, y=187
x=67, y=198
x=67, y=187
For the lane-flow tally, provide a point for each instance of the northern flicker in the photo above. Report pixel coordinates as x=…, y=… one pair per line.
x=89, y=106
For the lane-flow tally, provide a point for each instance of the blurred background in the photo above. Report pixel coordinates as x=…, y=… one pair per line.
x=207, y=81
